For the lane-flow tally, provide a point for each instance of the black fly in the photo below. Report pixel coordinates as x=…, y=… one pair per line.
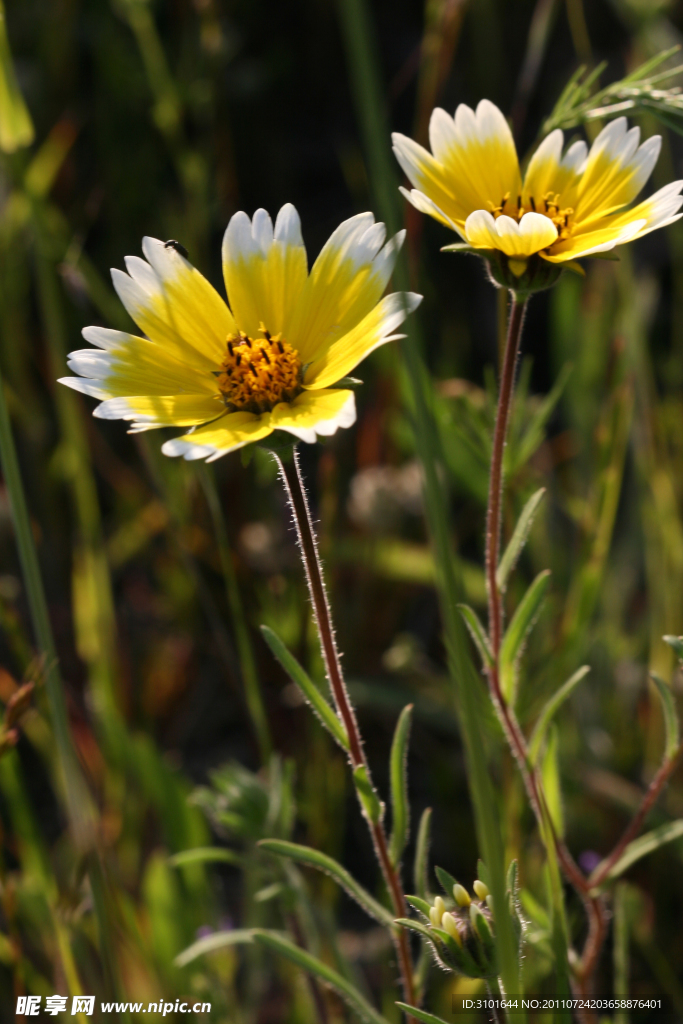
x=173, y=244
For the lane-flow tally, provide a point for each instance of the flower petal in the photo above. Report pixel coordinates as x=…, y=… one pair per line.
x=315, y=413
x=426, y=205
x=151, y=411
x=265, y=269
x=533, y=233
x=124, y=364
x=216, y=439
x=347, y=280
x=374, y=330
x=616, y=170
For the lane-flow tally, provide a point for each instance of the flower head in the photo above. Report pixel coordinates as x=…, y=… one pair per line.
x=271, y=361
x=568, y=204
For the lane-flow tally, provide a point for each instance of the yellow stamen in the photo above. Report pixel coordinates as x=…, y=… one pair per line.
x=255, y=377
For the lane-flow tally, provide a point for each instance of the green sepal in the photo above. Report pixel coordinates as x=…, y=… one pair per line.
x=460, y=956
x=446, y=881
x=419, y=904
x=373, y=808
x=483, y=933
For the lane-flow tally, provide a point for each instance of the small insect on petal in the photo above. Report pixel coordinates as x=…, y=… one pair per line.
x=173, y=244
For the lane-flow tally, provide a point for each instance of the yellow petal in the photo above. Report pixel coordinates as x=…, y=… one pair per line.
x=264, y=269
x=210, y=442
x=175, y=305
x=549, y=171
x=616, y=170
x=315, y=413
x=346, y=282
x=374, y=330
x=474, y=163
x=151, y=411
x=123, y=364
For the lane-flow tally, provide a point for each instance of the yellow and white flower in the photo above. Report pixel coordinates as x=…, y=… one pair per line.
x=269, y=362
x=568, y=205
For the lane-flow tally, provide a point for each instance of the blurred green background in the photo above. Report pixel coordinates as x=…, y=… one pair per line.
x=164, y=119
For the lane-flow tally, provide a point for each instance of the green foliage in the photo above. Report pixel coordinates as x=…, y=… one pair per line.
x=400, y=808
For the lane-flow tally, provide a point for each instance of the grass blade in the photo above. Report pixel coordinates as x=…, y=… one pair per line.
x=640, y=847
x=211, y=943
x=351, y=996
x=205, y=855
x=518, y=539
x=400, y=808
x=513, y=641
x=315, y=859
x=551, y=708
x=310, y=691
x=421, y=1015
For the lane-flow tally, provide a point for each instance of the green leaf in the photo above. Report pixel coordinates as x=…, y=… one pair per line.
x=414, y=926
x=16, y=129
x=641, y=847
x=550, y=773
x=446, y=881
x=211, y=943
x=400, y=808
x=676, y=642
x=478, y=634
x=204, y=854
x=671, y=723
x=518, y=539
x=325, y=713
x=420, y=866
x=422, y=1015
x=551, y=708
x=513, y=641
x=315, y=859
x=419, y=904
x=351, y=996
x=373, y=808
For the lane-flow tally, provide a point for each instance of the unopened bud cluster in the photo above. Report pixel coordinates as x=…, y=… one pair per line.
x=461, y=931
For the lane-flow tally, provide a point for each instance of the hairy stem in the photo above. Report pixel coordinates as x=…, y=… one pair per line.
x=296, y=493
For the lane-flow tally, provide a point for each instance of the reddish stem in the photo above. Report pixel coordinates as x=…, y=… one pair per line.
x=296, y=492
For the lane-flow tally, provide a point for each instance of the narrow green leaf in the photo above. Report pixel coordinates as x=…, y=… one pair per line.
x=419, y=904
x=641, y=847
x=551, y=708
x=518, y=539
x=310, y=691
x=211, y=943
x=550, y=773
x=671, y=724
x=204, y=854
x=373, y=808
x=400, y=808
x=478, y=633
x=315, y=859
x=351, y=996
x=414, y=926
x=426, y=1018
x=420, y=866
x=513, y=641
x=446, y=880
x=483, y=874
x=16, y=129
x=675, y=642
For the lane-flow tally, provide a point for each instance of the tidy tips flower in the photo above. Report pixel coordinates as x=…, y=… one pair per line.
x=276, y=359
x=568, y=205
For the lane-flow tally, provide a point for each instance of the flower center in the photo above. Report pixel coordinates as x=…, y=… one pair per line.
x=257, y=374
x=549, y=206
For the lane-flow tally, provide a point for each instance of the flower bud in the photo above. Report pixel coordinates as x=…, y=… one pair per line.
x=437, y=911
x=461, y=895
x=449, y=924
x=481, y=889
